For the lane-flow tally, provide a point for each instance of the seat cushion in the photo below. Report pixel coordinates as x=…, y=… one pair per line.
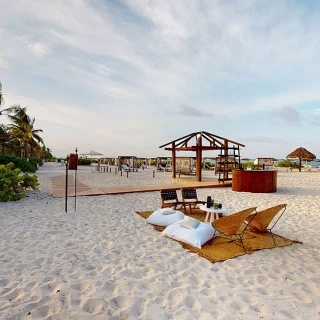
x=167, y=211
x=189, y=222
x=159, y=219
x=195, y=237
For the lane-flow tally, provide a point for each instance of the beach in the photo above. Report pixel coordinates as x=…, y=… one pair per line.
x=104, y=262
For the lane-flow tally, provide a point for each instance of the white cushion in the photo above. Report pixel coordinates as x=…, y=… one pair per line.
x=195, y=237
x=159, y=219
x=190, y=223
x=167, y=211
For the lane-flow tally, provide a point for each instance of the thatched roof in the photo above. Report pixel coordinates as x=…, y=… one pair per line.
x=302, y=154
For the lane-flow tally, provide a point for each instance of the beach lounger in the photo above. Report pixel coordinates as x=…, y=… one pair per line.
x=190, y=197
x=170, y=199
x=263, y=221
x=126, y=168
x=233, y=227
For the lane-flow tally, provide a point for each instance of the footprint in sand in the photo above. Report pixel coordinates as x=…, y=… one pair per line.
x=14, y=294
x=192, y=303
x=4, y=282
x=84, y=287
x=264, y=291
x=92, y=306
x=237, y=305
x=175, y=295
x=311, y=288
x=248, y=298
x=41, y=312
x=120, y=302
x=316, y=279
x=302, y=296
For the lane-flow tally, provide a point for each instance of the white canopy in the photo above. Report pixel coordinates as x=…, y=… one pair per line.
x=93, y=154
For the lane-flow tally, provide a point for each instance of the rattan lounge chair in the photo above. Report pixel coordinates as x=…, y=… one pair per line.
x=170, y=199
x=263, y=222
x=233, y=227
x=190, y=197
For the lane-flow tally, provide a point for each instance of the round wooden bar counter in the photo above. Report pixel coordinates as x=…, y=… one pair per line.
x=255, y=181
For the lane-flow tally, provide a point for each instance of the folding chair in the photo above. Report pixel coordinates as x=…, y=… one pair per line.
x=190, y=197
x=233, y=227
x=169, y=199
x=261, y=221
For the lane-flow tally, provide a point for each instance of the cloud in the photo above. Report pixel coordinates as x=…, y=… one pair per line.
x=39, y=49
x=287, y=115
x=4, y=64
x=263, y=140
x=120, y=91
x=118, y=62
x=188, y=111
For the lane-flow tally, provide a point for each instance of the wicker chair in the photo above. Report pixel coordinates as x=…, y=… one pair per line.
x=263, y=222
x=169, y=199
x=190, y=197
x=233, y=227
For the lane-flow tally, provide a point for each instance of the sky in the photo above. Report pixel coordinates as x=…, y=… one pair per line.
x=125, y=77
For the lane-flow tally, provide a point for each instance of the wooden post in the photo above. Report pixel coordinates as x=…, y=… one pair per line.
x=75, y=182
x=154, y=171
x=173, y=160
x=299, y=165
x=66, y=195
x=226, y=154
x=198, y=159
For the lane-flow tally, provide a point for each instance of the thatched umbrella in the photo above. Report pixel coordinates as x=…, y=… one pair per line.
x=301, y=154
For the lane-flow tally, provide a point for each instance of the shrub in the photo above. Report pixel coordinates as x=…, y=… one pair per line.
x=36, y=161
x=12, y=183
x=208, y=164
x=287, y=164
x=84, y=162
x=250, y=164
x=18, y=163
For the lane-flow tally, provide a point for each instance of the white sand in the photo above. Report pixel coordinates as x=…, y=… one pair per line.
x=104, y=262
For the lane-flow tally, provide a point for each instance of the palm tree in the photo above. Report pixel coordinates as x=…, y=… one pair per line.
x=22, y=128
x=5, y=137
x=46, y=153
x=1, y=95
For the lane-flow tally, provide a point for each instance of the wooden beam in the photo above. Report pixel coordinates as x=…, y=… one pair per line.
x=194, y=148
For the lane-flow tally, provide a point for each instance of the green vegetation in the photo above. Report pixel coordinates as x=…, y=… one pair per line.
x=18, y=163
x=208, y=165
x=12, y=184
x=84, y=162
x=36, y=161
x=287, y=164
x=250, y=164
x=20, y=138
x=21, y=149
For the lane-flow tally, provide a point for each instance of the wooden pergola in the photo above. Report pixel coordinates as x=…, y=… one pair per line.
x=198, y=142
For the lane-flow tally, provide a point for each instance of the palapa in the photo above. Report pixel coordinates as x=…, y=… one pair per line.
x=301, y=154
